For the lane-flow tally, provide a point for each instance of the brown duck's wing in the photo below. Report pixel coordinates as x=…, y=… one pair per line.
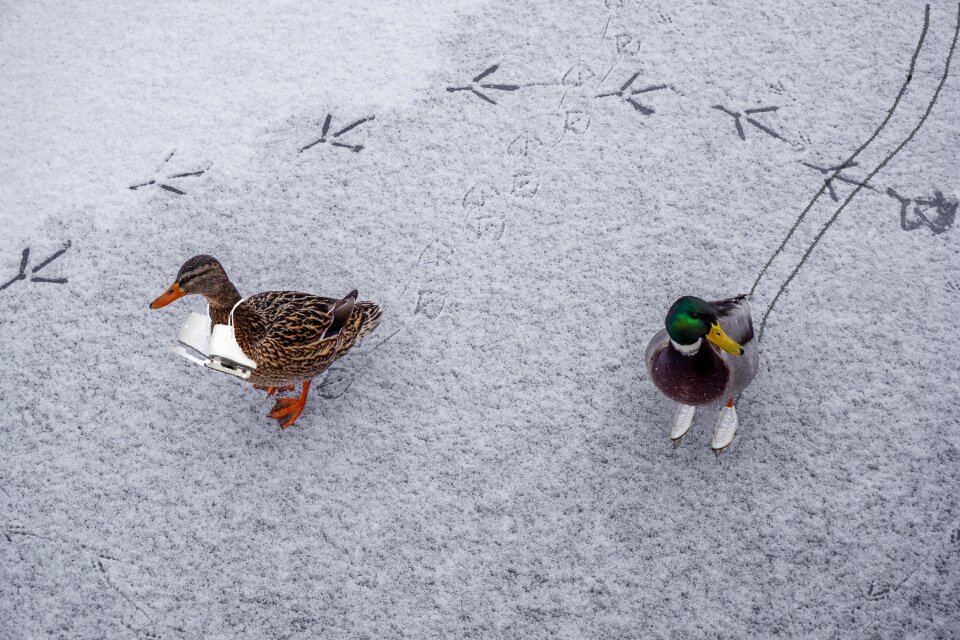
x=295, y=336
x=735, y=317
x=292, y=317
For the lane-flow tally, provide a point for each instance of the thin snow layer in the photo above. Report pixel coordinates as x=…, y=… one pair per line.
x=493, y=461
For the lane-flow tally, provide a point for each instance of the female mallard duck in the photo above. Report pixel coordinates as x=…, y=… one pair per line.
x=291, y=336
x=693, y=372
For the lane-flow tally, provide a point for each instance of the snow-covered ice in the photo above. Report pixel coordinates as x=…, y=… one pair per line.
x=525, y=187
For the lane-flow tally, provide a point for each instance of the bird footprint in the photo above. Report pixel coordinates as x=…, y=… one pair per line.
x=336, y=383
x=877, y=593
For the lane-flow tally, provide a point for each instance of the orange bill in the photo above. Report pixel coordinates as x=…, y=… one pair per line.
x=168, y=296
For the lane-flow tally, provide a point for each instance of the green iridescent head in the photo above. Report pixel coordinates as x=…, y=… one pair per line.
x=690, y=319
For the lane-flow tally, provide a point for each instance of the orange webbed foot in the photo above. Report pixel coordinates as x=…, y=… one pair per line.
x=287, y=410
x=284, y=406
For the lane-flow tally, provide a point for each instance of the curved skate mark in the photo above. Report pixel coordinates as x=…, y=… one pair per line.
x=17, y=530
x=376, y=341
x=876, y=170
x=336, y=382
x=612, y=5
x=386, y=330
x=87, y=553
x=364, y=351
x=160, y=181
x=853, y=156
x=938, y=557
x=615, y=64
x=98, y=565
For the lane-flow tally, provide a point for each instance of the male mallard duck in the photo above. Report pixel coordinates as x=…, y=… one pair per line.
x=291, y=336
x=693, y=372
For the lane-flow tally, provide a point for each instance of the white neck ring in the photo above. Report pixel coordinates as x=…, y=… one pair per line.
x=687, y=349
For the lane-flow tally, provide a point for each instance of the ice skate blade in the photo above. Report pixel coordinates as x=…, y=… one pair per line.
x=225, y=365
x=185, y=351
x=726, y=429
x=682, y=421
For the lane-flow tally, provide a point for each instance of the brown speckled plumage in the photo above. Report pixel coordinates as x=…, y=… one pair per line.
x=291, y=336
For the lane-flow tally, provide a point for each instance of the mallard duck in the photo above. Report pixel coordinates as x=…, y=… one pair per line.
x=291, y=336
x=694, y=371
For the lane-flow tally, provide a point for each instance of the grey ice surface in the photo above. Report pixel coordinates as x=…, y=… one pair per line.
x=494, y=461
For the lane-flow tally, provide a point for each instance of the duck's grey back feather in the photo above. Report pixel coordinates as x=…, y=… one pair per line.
x=736, y=320
x=735, y=317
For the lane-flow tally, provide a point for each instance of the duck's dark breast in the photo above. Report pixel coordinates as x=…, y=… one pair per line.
x=696, y=379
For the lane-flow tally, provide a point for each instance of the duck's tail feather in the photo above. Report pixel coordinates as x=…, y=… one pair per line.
x=372, y=314
x=341, y=312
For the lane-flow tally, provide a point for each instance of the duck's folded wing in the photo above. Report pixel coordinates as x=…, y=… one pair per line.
x=292, y=318
x=735, y=317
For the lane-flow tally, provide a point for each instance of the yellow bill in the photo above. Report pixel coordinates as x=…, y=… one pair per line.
x=722, y=340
